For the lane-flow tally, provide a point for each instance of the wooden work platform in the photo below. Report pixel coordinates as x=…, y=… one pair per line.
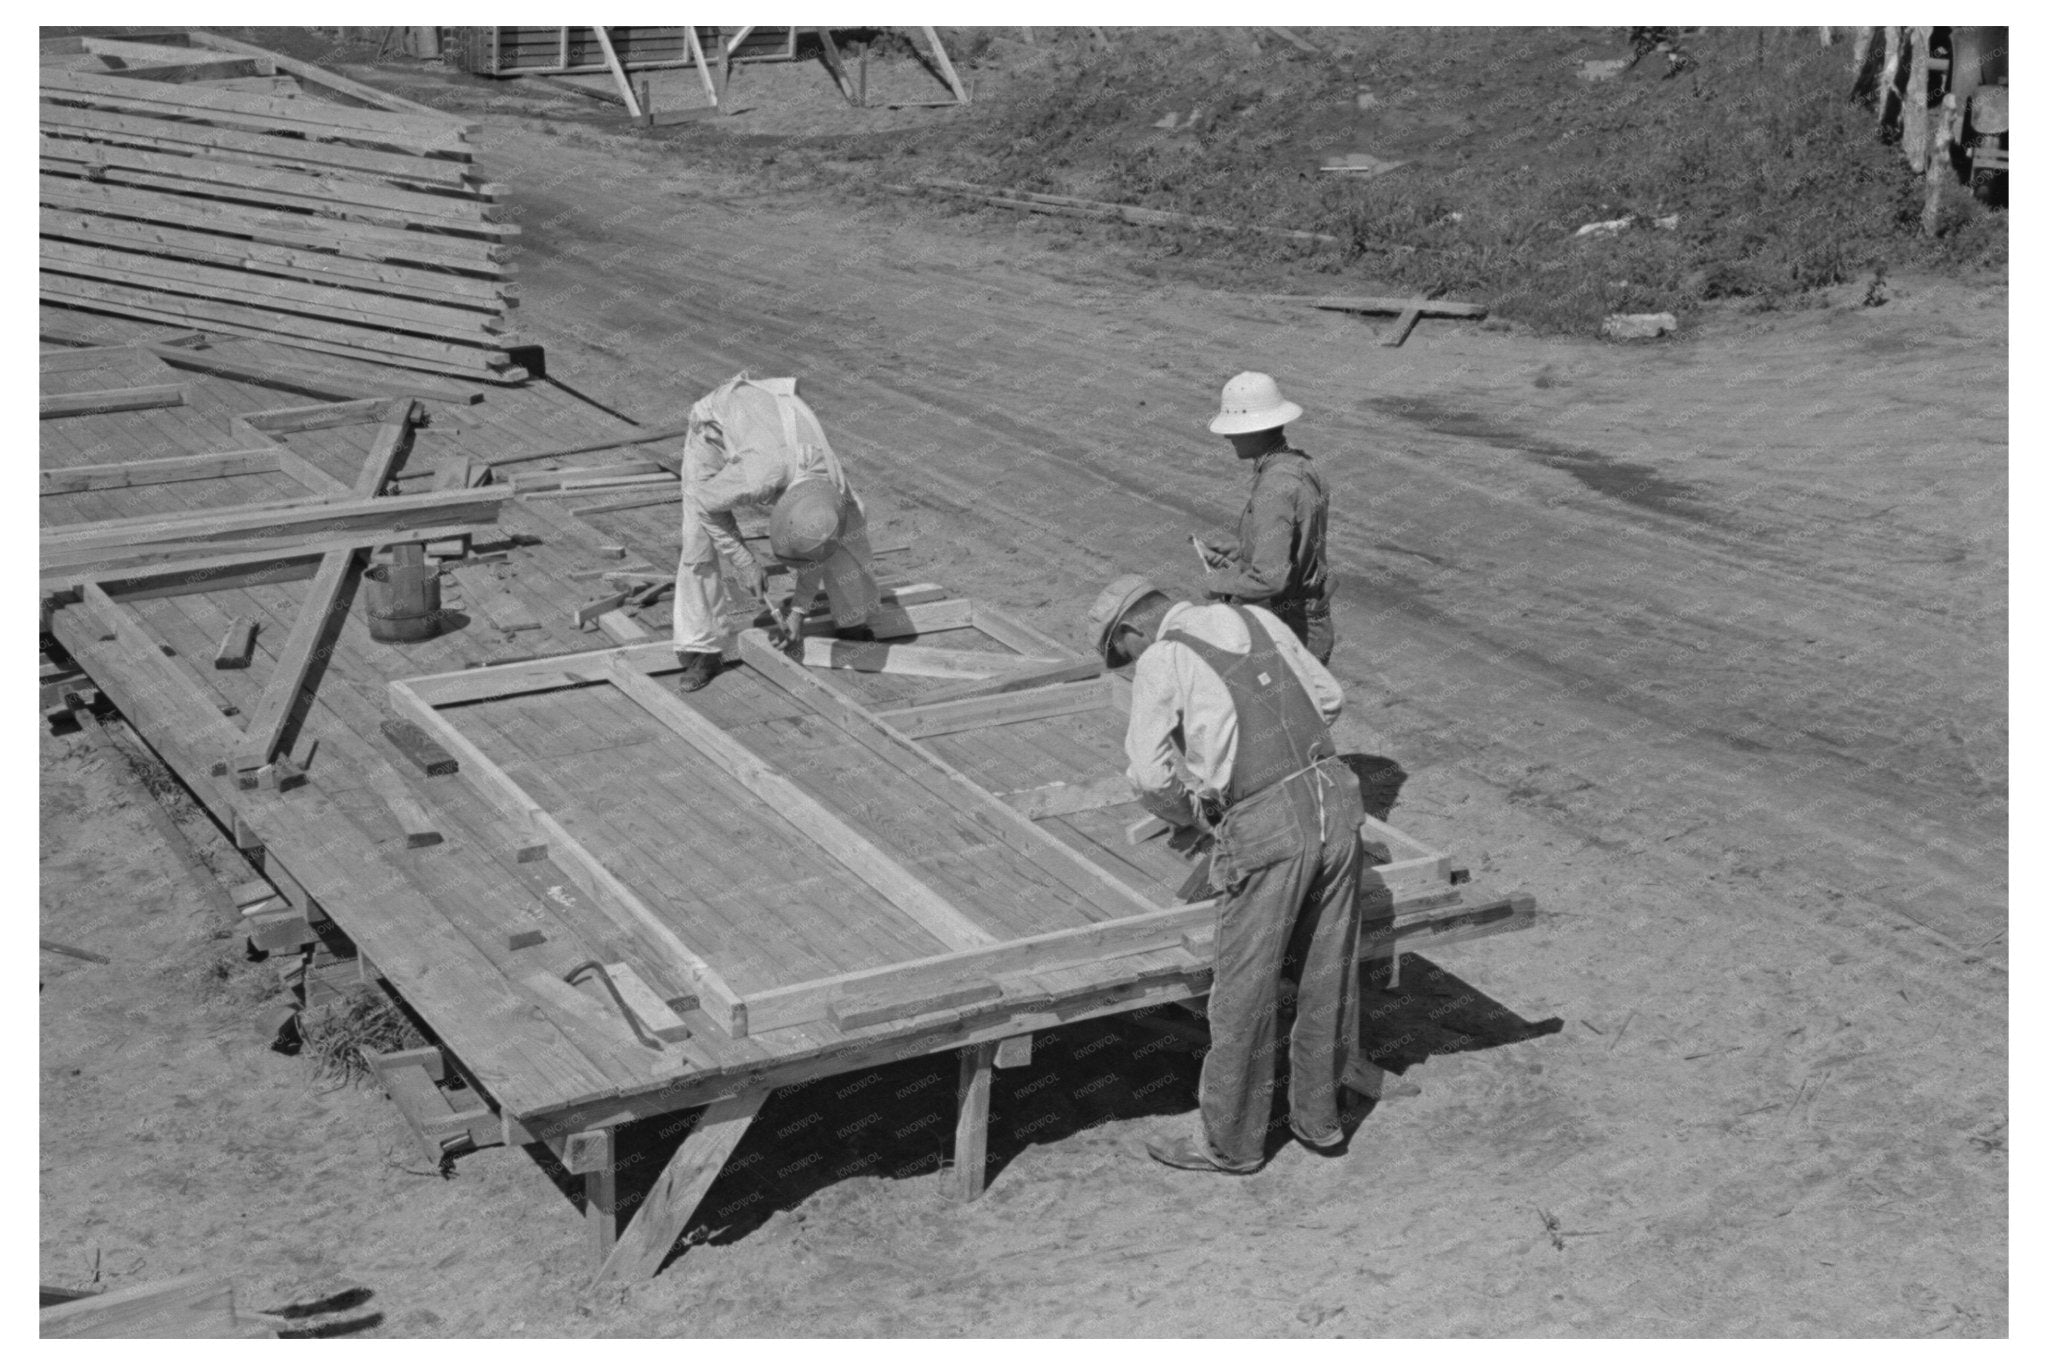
x=623, y=901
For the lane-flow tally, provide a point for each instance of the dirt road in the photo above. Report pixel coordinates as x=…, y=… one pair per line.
x=1700, y=642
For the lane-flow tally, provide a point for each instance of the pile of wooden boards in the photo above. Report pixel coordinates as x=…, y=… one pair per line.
x=536, y=50
x=180, y=184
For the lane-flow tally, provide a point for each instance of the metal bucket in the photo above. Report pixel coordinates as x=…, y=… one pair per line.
x=403, y=598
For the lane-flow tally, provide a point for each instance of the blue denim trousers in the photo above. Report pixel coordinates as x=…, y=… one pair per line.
x=1287, y=860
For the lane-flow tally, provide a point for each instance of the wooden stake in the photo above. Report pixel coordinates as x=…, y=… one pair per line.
x=970, y=1132
x=1913, y=118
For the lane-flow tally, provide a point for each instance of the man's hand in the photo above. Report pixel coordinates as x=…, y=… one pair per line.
x=754, y=578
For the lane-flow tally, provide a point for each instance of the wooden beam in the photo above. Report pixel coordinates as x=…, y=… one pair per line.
x=892, y=621
x=931, y=35
x=320, y=76
x=970, y=1129
x=189, y=1306
x=315, y=416
x=611, y=59
x=325, y=600
x=90, y=478
x=645, y=1242
x=849, y=847
x=111, y=400
x=1022, y=680
x=923, y=721
x=920, y=661
x=1070, y=798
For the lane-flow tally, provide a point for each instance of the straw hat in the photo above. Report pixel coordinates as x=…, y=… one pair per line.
x=1112, y=603
x=806, y=521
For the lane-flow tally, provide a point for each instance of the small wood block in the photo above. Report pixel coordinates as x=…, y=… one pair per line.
x=420, y=828
x=1151, y=827
x=848, y=1015
x=587, y=614
x=524, y=938
x=529, y=853
x=1014, y=1051
x=454, y=548
x=612, y=551
x=246, y=894
x=237, y=645
x=583, y=1153
x=417, y=745
x=654, y=1012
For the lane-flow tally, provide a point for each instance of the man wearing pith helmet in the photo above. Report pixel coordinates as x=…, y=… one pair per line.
x=1280, y=559
x=1230, y=732
x=755, y=443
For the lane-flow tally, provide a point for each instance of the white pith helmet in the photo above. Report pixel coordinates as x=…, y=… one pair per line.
x=1253, y=402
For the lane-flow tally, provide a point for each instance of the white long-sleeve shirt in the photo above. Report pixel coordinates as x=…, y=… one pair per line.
x=749, y=439
x=1172, y=686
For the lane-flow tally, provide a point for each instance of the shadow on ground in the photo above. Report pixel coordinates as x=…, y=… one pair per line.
x=897, y=1121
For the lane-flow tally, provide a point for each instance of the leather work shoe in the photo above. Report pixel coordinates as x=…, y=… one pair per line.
x=698, y=669
x=1185, y=1153
x=857, y=634
x=1330, y=1144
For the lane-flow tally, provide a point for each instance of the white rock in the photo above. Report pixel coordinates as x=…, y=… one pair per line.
x=1667, y=223
x=1631, y=326
x=1606, y=229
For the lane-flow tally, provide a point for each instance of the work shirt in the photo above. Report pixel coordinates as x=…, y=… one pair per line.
x=1280, y=554
x=1173, y=689
x=749, y=439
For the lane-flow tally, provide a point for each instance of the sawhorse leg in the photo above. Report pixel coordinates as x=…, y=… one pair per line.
x=643, y=1244
x=970, y=1133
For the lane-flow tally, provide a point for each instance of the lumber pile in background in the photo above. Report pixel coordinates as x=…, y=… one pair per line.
x=201, y=182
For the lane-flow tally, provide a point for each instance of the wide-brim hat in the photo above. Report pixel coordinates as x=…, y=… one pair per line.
x=1112, y=603
x=1253, y=402
x=806, y=521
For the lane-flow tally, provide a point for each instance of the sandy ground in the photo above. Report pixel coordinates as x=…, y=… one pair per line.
x=1700, y=642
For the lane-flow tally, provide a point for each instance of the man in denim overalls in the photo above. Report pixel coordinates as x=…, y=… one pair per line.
x=1229, y=731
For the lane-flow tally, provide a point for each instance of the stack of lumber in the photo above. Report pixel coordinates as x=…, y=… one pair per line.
x=535, y=49
x=174, y=191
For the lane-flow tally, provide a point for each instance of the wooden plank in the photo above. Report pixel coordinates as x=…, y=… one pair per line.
x=169, y=469
x=927, y=720
x=1020, y=680
x=810, y=1001
x=316, y=416
x=112, y=400
x=372, y=520
x=325, y=381
x=538, y=675
x=622, y=629
x=484, y=592
x=851, y=849
x=654, y=1012
x=645, y=1242
x=419, y=748
x=970, y=1130
x=1067, y=798
x=421, y=829
x=176, y=568
x=480, y=260
x=326, y=80
x=237, y=645
x=231, y=144
x=485, y=359
x=867, y=1011
x=1005, y=629
x=922, y=661
x=1014, y=1051
x=319, y=616
x=1403, y=325
x=719, y=1001
x=1429, y=308
x=413, y=133
x=206, y=740
x=199, y=1305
